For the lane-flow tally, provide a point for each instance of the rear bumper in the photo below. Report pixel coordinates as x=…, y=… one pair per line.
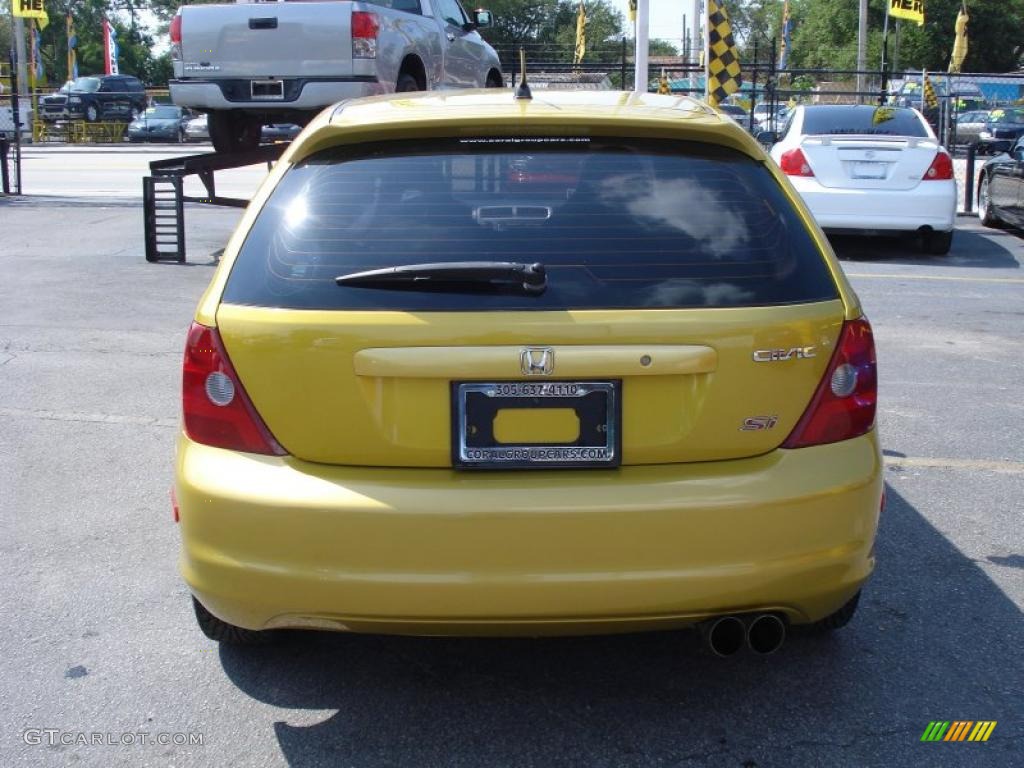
x=932, y=204
x=162, y=135
x=271, y=542
x=311, y=96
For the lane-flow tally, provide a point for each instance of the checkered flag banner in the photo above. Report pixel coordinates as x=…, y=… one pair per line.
x=930, y=100
x=723, y=62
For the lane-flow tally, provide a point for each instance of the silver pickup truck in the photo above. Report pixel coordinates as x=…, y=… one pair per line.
x=251, y=64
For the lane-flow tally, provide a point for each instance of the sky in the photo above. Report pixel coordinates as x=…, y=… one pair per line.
x=666, y=17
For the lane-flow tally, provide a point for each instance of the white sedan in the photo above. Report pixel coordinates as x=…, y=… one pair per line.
x=870, y=170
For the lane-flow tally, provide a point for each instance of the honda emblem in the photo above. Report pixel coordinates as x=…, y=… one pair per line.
x=537, y=361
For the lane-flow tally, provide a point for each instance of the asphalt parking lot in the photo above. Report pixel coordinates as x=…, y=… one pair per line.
x=99, y=637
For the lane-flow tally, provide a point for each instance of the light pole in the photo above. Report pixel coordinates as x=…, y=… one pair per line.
x=640, y=56
x=862, y=47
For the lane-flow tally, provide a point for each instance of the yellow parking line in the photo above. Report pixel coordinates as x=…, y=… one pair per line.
x=955, y=278
x=1013, y=467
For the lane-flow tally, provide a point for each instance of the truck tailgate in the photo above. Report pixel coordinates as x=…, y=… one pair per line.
x=267, y=40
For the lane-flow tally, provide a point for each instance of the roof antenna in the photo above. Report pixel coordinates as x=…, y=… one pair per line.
x=523, y=90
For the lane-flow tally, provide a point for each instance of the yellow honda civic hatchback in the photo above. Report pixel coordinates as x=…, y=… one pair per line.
x=580, y=363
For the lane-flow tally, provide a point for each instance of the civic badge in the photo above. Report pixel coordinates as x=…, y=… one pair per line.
x=537, y=361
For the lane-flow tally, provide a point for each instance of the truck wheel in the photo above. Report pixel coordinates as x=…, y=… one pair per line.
x=232, y=132
x=92, y=113
x=494, y=81
x=406, y=83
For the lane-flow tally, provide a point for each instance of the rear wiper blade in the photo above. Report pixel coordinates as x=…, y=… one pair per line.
x=530, y=278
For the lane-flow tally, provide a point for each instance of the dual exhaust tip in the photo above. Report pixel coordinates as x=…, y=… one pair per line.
x=763, y=633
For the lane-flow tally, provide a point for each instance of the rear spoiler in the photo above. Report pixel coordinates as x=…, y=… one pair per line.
x=827, y=140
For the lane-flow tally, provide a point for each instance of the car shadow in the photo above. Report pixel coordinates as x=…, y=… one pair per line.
x=929, y=642
x=993, y=249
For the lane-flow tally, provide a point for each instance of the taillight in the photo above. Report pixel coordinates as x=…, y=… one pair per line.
x=176, y=37
x=844, y=404
x=941, y=168
x=793, y=163
x=216, y=409
x=365, y=26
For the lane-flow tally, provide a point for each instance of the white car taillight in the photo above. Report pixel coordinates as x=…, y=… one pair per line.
x=794, y=163
x=941, y=168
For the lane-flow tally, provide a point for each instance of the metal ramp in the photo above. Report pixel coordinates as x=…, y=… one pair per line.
x=164, y=208
x=163, y=196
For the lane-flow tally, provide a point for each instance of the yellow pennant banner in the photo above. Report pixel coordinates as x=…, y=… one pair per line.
x=911, y=10
x=31, y=9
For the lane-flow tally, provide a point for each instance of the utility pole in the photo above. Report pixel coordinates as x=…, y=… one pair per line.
x=640, y=55
x=22, y=55
x=696, y=45
x=862, y=47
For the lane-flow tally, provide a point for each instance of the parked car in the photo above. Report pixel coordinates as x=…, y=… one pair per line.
x=870, y=170
x=1005, y=125
x=769, y=117
x=99, y=97
x=54, y=106
x=162, y=123
x=736, y=112
x=963, y=94
x=196, y=129
x=969, y=126
x=1001, y=188
x=424, y=396
x=250, y=64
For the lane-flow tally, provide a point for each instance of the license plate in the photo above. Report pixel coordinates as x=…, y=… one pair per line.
x=480, y=409
x=869, y=170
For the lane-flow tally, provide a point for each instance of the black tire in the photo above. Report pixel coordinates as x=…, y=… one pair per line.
x=986, y=215
x=494, y=81
x=222, y=632
x=839, y=619
x=938, y=243
x=406, y=84
x=232, y=132
x=92, y=113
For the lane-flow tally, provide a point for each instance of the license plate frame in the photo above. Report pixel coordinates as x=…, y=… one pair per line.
x=266, y=90
x=598, y=405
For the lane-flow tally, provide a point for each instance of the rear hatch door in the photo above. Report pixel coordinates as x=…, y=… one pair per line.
x=712, y=331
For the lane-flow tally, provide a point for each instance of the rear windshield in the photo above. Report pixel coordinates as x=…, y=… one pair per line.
x=862, y=119
x=616, y=225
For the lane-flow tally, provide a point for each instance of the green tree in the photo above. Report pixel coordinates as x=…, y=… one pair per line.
x=547, y=29
x=604, y=30
x=825, y=35
x=135, y=43
x=518, y=21
x=995, y=36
